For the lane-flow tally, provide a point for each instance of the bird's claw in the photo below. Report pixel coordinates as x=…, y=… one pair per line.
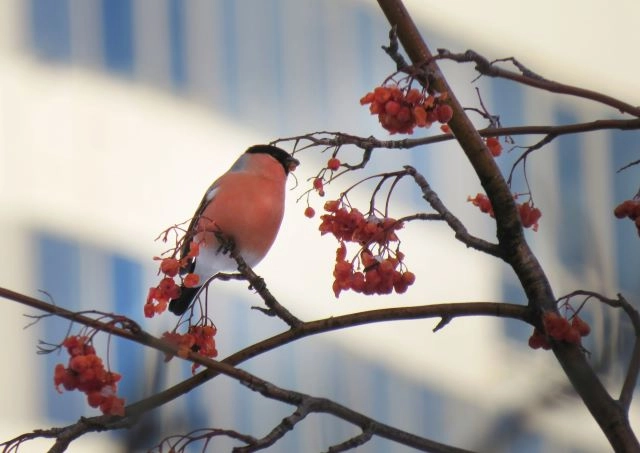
x=258, y=284
x=227, y=243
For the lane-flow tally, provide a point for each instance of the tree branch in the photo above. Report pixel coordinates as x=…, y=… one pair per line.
x=258, y=283
x=353, y=442
x=527, y=77
x=633, y=369
x=179, y=443
x=454, y=223
x=515, y=249
x=69, y=433
x=337, y=139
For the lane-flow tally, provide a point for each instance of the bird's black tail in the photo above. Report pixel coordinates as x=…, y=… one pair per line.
x=181, y=304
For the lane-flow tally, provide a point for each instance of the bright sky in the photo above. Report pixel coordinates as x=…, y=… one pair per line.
x=587, y=42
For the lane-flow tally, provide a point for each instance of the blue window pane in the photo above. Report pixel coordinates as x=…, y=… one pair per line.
x=58, y=273
x=177, y=42
x=117, y=35
x=572, y=231
x=49, y=29
x=512, y=292
x=126, y=283
x=625, y=184
x=364, y=27
x=227, y=27
x=508, y=103
x=508, y=100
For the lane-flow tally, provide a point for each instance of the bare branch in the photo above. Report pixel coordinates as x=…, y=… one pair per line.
x=633, y=369
x=513, y=245
x=629, y=165
x=456, y=225
x=287, y=424
x=527, y=77
x=393, y=50
x=179, y=443
x=523, y=157
x=421, y=216
x=258, y=284
x=69, y=433
x=353, y=442
x=337, y=139
x=323, y=405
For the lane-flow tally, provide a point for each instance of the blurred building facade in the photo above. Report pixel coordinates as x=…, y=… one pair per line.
x=115, y=116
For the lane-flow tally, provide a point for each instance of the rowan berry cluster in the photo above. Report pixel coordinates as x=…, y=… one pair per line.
x=86, y=372
x=369, y=273
x=400, y=109
x=559, y=329
x=631, y=210
x=159, y=296
x=529, y=214
x=198, y=339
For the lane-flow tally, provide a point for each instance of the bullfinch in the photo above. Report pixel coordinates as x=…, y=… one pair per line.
x=245, y=204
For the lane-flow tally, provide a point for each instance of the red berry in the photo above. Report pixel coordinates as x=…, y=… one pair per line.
x=555, y=325
x=413, y=96
x=400, y=287
x=367, y=99
x=420, y=116
x=333, y=164
x=170, y=266
x=392, y=108
x=581, y=326
x=357, y=282
x=409, y=277
x=318, y=184
x=621, y=210
x=494, y=146
x=404, y=114
x=572, y=336
x=382, y=94
x=538, y=340
x=95, y=399
x=529, y=215
x=332, y=205
x=535, y=341
x=309, y=212
x=444, y=113
x=191, y=280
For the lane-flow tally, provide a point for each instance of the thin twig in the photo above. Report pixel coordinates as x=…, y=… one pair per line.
x=353, y=442
x=528, y=77
x=179, y=443
x=523, y=157
x=259, y=285
x=454, y=223
x=330, y=139
x=287, y=424
x=633, y=369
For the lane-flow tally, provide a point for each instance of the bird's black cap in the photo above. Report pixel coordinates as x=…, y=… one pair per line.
x=286, y=159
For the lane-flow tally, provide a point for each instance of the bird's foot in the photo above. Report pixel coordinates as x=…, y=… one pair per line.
x=258, y=285
x=227, y=243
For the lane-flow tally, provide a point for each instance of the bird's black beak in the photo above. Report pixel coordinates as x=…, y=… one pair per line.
x=292, y=163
